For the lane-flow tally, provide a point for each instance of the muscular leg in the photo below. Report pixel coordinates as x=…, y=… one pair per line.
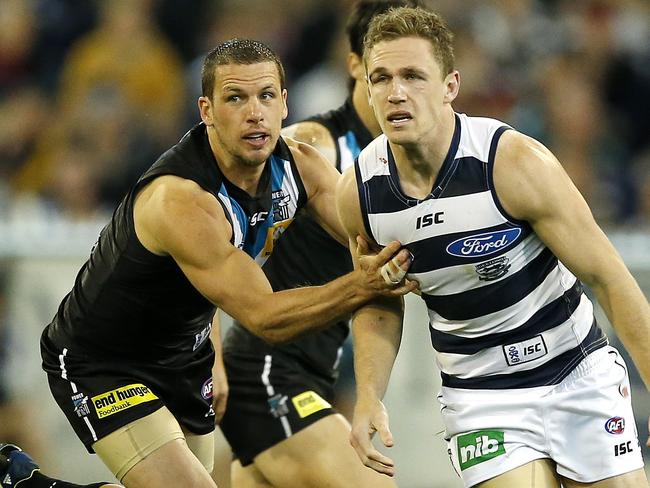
x=173, y=464
x=634, y=479
x=319, y=456
x=536, y=474
x=247, y=477
x=152, y=452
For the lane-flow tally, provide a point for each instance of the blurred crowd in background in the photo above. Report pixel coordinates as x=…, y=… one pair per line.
x=91, y=92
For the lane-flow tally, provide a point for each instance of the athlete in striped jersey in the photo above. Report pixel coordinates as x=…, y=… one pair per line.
x=501, y=240
x=280, y=396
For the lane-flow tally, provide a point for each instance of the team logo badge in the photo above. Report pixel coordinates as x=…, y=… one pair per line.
x=80, y=404
x=493, y=269
x=280, y=205
x=278, y=405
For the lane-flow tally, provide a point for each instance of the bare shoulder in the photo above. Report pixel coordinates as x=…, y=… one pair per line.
x=173, y=196
x=171, y=206
x=528, y=178
x=308, y=158
x=315, y=135
x=522, y=154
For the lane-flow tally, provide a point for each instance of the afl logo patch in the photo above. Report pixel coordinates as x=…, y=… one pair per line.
x=615, y=425
x=206, y=389
x=483, y=244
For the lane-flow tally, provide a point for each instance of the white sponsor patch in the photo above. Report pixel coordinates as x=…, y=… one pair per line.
x=525, y=351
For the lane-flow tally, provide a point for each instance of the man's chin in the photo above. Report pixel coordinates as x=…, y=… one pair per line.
x=256, y=159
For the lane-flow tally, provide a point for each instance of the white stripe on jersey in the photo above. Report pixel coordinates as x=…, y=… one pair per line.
x=347, y=158
x=493, y=359
x=290, y=187
x=508, y=318
x=463, y=213
x=238, y=236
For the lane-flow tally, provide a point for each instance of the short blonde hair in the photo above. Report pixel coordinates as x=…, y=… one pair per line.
x=401, y=22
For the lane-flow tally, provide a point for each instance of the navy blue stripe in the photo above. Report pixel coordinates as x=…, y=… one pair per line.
x=492, y=298
x=490, y=171
x=550, y=373
x=443, y=177
x=469, y=176
x=363, y=199
x=431, y=254
x=546, y=318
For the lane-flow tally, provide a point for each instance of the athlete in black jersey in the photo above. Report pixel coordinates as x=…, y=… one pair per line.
x=280, y=396
x=127, y=355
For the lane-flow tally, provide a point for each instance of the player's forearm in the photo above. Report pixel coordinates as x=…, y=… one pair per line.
x=628, y=311
x=286, y=314
x=377, y=331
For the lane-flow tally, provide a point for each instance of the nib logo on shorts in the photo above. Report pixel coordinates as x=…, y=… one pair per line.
x=478, y=447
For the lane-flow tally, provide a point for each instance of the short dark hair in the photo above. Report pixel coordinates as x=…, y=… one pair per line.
x=237, y=51
x=362, y=13
x=403, y=22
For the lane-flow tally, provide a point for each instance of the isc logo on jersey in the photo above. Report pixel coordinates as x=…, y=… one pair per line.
x=483, y=244
x=480, y=446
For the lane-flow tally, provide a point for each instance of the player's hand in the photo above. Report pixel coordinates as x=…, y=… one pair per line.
x=371, y=417
x=219, y=389
x=384, y=270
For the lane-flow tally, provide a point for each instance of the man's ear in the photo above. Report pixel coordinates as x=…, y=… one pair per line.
x=452, y=86
x=205, y=109
x=355, y=67
x=285, y=110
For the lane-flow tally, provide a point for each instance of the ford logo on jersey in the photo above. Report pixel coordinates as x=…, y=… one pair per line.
x=483, y=244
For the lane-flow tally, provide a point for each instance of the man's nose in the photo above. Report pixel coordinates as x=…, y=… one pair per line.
x=397, y=93
x=255, y=114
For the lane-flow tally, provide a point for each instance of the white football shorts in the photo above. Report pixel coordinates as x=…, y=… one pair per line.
x=584, y=424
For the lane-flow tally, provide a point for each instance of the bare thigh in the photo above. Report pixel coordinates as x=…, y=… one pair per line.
x=536, y=474
x=634, y=479
x=319, y=456
x=152, y=452
x=173, y=464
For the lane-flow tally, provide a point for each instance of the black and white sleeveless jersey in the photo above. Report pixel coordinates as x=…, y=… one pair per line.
x=131, y=304
x=306, y=255
x=503, y=311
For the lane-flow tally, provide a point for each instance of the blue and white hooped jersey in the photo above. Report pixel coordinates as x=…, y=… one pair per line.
x=503, y=311
x=257, y=226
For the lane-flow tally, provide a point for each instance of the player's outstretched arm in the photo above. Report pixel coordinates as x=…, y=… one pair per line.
x=533, y=186
x=377, y=332
x=176, y=217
